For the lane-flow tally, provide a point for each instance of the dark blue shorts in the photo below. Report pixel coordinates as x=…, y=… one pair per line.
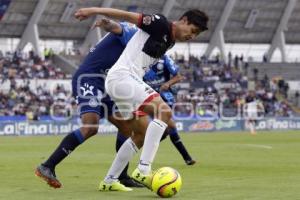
x=90, y=95
x=168, y=97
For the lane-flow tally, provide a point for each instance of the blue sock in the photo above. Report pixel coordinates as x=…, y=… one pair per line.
x=67, y=145
x=178, y=144
x=119, y=142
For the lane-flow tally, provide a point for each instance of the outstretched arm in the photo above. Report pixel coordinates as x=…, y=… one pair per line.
x=172, y=81
x=84, y=13
x=109, y=26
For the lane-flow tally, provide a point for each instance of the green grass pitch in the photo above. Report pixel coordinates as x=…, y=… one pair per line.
x=231, y=166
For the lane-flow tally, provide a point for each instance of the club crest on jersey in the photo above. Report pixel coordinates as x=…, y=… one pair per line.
x=160, y=66
x=87, y=89
x=147, y=20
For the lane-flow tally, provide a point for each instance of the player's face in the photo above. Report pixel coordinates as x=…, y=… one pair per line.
x=186, y=31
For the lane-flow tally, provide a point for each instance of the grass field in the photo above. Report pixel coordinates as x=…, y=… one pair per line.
x=231, y=166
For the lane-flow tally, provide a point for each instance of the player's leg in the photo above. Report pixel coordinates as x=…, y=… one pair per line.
x=176, y=140
x=125, y=154
x=251, y=124
x=131, y=94
x=71, y=141
x=90, y=115
x=162, y=115
x=120, y=139
x=124, y=132
x=168, y=97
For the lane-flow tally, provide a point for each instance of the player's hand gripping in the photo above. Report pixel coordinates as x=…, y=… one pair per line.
x=84, y=13
x=164, y=87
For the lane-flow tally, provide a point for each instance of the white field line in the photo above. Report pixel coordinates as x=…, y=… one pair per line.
x=259, y=146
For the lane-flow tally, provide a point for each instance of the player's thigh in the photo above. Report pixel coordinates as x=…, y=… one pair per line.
x=130, y=93
x=158, y=109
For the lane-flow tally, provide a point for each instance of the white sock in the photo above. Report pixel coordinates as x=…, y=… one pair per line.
x=124, y=155
x=154, y=132
x=252, y=128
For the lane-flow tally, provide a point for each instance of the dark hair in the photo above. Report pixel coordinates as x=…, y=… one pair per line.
x=197, y=17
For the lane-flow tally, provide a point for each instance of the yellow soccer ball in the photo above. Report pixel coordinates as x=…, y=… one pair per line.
x=166, y=182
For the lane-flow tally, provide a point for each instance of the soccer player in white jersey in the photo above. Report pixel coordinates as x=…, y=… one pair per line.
x=134, y=98
x=252, y=109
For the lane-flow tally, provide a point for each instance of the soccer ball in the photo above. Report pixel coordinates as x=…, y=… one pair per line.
x=166, y=182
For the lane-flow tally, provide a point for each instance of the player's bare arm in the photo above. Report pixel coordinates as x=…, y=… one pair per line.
x=85, y=13
x=172, y=81
x=108, y=25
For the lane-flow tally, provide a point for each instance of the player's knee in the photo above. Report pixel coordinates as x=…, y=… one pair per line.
x=171, y=124
x=88, y=131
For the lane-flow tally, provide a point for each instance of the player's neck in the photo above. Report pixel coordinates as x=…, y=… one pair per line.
x=174, y=29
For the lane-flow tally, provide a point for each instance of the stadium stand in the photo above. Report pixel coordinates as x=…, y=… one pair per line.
x=218, y=79
x=210, y=82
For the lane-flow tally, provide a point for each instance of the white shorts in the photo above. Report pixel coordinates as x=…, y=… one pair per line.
x=129, y=92
x=251, y=115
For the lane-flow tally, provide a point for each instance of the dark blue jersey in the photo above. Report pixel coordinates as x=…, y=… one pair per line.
x=88, y=81
x=161, y=72
x=107, y=51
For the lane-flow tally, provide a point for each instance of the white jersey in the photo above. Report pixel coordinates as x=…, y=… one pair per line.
x=133, y=59
x=124, y=82
x=146, y=47
x=252, y=107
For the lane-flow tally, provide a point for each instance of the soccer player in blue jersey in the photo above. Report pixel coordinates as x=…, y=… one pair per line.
x=161, y=77
x=88, y=89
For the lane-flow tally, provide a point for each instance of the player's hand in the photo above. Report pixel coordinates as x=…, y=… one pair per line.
x=101, y=23
x=84, y=13
x=180, y=77
x=164, y=87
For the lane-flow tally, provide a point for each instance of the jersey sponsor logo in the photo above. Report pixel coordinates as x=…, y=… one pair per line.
x=87, y=89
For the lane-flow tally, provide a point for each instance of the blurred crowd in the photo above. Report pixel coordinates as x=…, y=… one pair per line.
x=220, y=89
x=215, y=88
x=19, y=65
x=21, y=100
